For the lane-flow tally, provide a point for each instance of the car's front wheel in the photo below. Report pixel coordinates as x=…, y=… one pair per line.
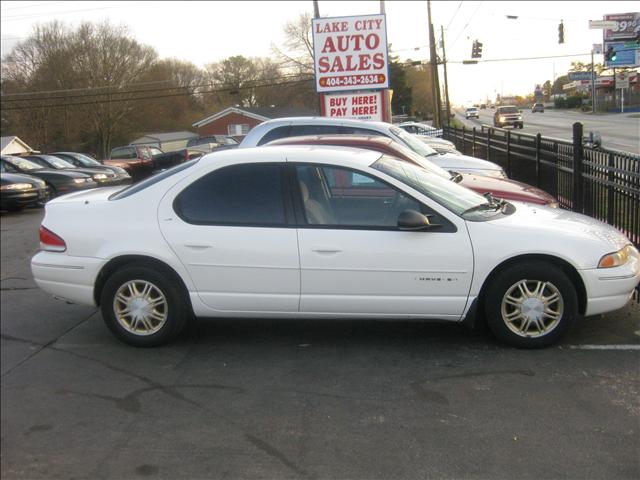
x=530, y=304
x=143, y=307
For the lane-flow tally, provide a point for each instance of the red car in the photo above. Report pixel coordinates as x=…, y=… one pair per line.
x=498, y=187
x=137, y=160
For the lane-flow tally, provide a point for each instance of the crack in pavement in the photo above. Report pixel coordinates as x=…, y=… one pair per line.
x=41, y=346
x=170, y=390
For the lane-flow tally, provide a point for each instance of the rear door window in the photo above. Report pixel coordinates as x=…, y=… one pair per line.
x=238, y=195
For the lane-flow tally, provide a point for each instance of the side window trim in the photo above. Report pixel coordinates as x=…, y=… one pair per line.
x=301, y=218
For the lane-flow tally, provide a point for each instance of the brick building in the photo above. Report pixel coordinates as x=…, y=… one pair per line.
x=237, y=121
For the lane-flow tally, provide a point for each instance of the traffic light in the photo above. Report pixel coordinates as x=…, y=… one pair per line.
x=610, y=55
x=476, y=49
x=561, y=32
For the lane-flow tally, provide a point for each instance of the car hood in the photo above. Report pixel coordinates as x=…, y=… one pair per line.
x=52, y=173
x=118, y=163
x=450, y=161
x=507, y=189
x=9, y=178
x=550, y=231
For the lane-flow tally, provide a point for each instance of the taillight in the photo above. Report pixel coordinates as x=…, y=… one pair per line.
x=51, y=242
x=186, y=155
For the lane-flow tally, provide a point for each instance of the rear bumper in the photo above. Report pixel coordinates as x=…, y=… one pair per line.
x=66, y=277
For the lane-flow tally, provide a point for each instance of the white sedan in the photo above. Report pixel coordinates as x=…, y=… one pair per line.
x=319, y=232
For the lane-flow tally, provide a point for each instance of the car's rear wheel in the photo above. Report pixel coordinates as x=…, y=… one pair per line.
x=143, y=307
x=530, y=304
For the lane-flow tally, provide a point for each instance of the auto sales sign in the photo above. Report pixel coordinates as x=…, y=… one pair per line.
x=350, y=53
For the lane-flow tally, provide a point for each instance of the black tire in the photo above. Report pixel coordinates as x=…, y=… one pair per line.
x=176, y=308
x=531, y=271
x=15, y=208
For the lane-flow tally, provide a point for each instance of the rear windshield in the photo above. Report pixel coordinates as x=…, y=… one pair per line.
x=508, y=110
x=152, y=180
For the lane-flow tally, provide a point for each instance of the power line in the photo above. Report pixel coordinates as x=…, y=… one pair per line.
x=155, y=97
x=522, y=58
x=454, y=16
x=129, y=91
x=46, y=4
x=466, y=25
x=22, y=16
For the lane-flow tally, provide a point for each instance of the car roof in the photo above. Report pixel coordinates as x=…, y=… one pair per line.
x=325, y=121
x=332, y=139
x=415, y=124
x=354, y=157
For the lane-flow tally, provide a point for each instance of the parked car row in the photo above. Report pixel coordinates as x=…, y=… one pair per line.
x=31, y=180
x=326, y=218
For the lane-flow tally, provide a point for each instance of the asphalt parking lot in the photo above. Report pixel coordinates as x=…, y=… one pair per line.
x=278, y=399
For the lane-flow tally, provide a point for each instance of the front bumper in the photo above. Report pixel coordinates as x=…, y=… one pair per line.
x=25, y=198
x=610, y=289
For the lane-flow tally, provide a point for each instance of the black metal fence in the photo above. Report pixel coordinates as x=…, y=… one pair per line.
x=604, y=184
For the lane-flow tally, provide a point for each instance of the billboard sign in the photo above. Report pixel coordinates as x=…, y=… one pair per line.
x=627, y=26
x=627, y=54
x=350, y=53
x=366, y=105
x=622, y=80
x=579, y=76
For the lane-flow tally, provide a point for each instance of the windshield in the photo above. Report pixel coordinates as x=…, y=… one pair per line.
x=86, y=159
x=23, y=163
x=420, y=160
x=508, y=110
x=413, y=143
x=57, y=162
x=454, y=197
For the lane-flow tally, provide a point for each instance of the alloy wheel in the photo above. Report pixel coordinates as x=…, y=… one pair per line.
x=532, y=308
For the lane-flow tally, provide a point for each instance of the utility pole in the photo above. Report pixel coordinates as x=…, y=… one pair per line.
x=446, y=83
x=437, y=107
x=316, y=14
x=593, y=85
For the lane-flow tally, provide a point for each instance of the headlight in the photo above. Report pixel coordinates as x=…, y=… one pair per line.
x=16, y=186
x=80, y=180
x=618, y=258
x=553, y=205
x=502, y=119
x=99, y=176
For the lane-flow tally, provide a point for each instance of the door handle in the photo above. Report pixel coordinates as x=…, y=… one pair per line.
x=326, y=250
x=198, y=247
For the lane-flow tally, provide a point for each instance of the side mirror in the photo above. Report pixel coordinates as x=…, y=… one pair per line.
x=413, y=221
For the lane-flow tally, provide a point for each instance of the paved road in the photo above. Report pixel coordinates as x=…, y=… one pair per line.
x=306, y=399
x=618, y=131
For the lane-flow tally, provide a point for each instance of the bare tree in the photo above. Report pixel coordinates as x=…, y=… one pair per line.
x=107, y=56
x=297, y=52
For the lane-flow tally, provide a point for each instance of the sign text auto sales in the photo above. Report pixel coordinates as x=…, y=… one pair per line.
x=350, y=53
